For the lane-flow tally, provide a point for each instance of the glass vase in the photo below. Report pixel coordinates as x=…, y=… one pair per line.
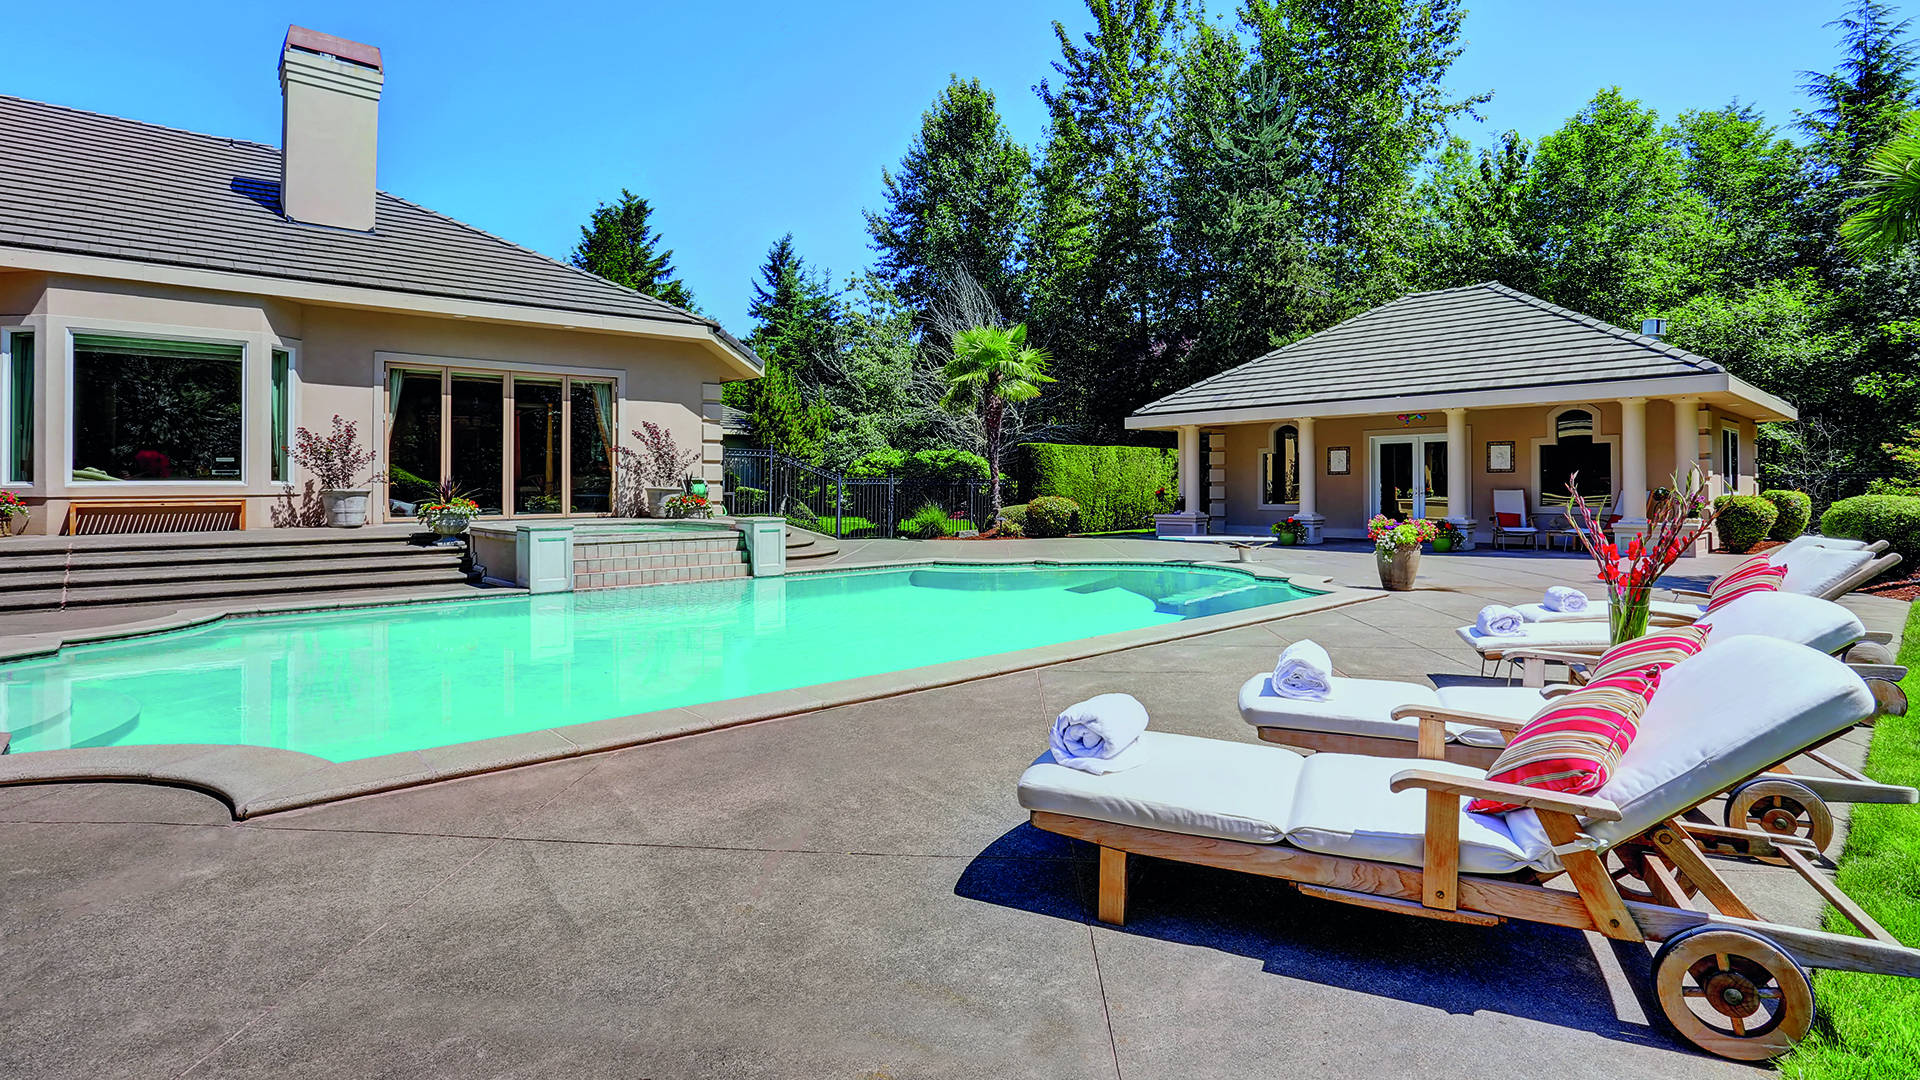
x=1627, y=613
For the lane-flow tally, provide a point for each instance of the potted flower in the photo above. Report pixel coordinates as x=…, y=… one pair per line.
x=663, y=466
x=11, y=510
x=448, y=513
x=1447, y=537
x=338, y=463
x=1396, y=549
x=1673, y=524
x=1287, y=533
x=682, y=505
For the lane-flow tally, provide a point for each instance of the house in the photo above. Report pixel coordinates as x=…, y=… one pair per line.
x=1429, y=404
x=173, y=306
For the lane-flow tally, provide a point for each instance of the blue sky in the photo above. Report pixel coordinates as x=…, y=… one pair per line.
x=742, y=121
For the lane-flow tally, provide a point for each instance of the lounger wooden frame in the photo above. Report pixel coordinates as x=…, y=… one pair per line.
x=1873, y=569
x=1437, y=890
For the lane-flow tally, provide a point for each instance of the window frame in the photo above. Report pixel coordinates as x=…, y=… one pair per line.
x=247, y=362
x=1551, y=437
x=1730, y=457
x=1266, y=454
x=9, y=481
x=292, y=471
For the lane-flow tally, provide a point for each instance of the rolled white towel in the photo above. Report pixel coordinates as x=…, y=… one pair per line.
x=1565, y=598
x=1099, y=735
x=1499, y=620
x=1304, y=670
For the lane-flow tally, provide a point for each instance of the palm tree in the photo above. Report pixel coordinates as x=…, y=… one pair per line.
x=1886, y=216
x=991, y=368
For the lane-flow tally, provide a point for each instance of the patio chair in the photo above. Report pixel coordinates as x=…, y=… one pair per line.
x=1812, y=570
x=1510, y=519
x=1392, y=836
x=1383, y=718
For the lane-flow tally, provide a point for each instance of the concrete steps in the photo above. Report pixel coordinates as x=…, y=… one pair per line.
x=804, y=546
x=50, y=573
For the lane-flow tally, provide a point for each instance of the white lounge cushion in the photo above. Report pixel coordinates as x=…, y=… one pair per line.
x=1817, y=571
x=1804, y=620
x=1597, y=612
x=1354, y=707
x=1807, y=540
x=1733, y=710
x=1508, y=702
x=1345, y=807
x=1539, y=635
x=1190, y=785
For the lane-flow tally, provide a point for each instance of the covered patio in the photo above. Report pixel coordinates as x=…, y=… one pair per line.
x=1429, y=405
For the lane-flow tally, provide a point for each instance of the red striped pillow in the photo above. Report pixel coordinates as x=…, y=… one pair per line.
x=1574, y=743
x=1659, y=651
x=1757, y=574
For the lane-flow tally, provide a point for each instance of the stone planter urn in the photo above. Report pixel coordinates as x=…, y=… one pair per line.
x=449, y=528
x=346, y=508
x=1398, y=568
x=657, y=499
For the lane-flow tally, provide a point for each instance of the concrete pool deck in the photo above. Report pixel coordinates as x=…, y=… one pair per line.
x=844, y=892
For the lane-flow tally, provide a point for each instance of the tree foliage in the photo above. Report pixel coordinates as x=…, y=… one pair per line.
x=618, y=244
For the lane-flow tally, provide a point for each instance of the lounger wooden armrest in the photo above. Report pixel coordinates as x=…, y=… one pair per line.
x=1558, y=802
x=1436, y=714
x=1567, y=654
x=1701, y=593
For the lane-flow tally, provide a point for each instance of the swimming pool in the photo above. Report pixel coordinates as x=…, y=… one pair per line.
x=357, y=683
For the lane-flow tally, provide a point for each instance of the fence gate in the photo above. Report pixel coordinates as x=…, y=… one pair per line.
x=850, y=507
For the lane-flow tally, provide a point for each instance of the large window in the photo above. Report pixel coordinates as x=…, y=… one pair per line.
x=282, y=406
x=153, y=410
x=1280, y=468
x=1575, y=452
x=18, y=346
x=1730, y=458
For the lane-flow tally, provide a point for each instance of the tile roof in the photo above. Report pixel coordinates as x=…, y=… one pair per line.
x=92, y=184
x=1474, y=338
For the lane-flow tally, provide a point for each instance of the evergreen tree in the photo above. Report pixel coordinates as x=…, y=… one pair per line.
x=796, y=337
x=959, y=200
x=619, y=245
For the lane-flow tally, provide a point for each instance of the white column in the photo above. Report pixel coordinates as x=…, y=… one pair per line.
x=1191, y=472
x=1686, y=436
x=1632, y=488
x=1309, y=514
x=1459, y=474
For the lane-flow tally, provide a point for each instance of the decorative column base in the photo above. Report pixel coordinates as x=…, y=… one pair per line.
x=1627, y=530
x=1466, y=525
x=1310, y=525
x=1184, y=523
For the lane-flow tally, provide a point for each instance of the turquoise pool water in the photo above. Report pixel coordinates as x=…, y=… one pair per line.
x=358, y=683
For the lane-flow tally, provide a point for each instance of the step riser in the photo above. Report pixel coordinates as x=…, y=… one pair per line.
x=672, y=575
x=119, y=577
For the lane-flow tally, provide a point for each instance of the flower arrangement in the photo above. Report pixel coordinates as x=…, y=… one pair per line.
x=1673, y=524
x=1288, y=531
x=687, y=506
x=337, y=460
x=10, y=507
x=450, y=505
x=1389, y=535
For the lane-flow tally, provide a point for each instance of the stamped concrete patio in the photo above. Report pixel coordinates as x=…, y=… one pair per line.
x=851, y=892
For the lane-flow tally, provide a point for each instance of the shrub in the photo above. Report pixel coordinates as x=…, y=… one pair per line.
x=1796, y=509
x=801, y=515
x=1016, y=516
x=748, y=500
x=1051, y=515
x=1893, y=518
x=1116, y=487
x=929, y=522
x=1743, y=520
x=921, y=465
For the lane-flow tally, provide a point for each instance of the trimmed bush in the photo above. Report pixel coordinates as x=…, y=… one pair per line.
x=1893, y=518
x=929, y=522
x=1016, y=516
x=921, y=465
x=1743, y=520
x=801, y=515
x=1051, y=515
x=1796, y=509
x=1116, y=487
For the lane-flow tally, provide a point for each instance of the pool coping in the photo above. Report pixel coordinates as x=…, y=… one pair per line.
x=257, y=780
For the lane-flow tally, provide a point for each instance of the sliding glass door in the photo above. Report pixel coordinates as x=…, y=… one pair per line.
x=520, y=445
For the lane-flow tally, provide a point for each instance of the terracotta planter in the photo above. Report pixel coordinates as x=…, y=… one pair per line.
x=1398, y=570
x=346, y=508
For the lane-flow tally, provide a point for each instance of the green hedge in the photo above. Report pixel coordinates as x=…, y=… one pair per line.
x=921, y=465
x=1051, y=515
x=1116, y=487
x=1743, y=520
x=1893, y=518
x=1796, y=510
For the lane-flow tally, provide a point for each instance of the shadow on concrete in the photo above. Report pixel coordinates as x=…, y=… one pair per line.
x=1542, y=973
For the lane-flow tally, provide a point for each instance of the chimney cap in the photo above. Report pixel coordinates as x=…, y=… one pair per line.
x=299, y=37
x=1653, y=328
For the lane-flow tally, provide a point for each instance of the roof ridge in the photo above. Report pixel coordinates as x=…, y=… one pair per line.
x=1651, y=343
x=229, y=139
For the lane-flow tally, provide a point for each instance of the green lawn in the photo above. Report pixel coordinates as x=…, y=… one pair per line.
x=1116, y=532
x=1869, y=1025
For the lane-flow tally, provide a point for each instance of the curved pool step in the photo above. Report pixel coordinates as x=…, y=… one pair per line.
x=1204, y=600
x=805, y=545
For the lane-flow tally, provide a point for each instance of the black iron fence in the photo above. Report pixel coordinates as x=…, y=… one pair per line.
x=852, y=507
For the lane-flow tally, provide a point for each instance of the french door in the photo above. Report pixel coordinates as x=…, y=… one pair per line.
x=519, y=444
x=1409, y=476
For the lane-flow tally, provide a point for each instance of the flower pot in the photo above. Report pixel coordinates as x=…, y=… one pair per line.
x=657, y=499
x=346, y=508
x=1442, y=545
x=1398, y=568
x=1286, y=539
x=449, y=527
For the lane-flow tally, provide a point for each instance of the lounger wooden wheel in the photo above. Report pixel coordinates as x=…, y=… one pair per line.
x=1733, y=993
x=1635, y=879
x=1780, y=808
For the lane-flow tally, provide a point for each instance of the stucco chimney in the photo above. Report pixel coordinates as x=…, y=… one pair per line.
x=329, y=129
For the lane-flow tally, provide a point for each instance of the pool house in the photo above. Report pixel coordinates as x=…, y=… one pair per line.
x=1442, y=404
